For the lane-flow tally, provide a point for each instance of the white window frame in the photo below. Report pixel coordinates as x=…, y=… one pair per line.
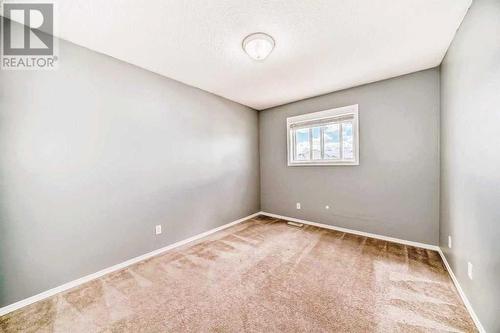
x=346, y=111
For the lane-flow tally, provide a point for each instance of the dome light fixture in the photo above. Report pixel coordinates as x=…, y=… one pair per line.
x=258, y=45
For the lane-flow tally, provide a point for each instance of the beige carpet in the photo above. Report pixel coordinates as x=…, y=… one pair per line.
x=263, y=276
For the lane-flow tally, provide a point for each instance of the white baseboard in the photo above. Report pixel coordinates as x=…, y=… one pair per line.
x=462, y=294
x=356, y=232
x=72, y=284
x=93, y=276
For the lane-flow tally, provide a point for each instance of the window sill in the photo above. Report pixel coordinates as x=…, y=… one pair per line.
x=343, y=163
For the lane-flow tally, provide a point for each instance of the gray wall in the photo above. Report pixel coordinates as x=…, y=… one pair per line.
x=470, y=158
x=395, y=189
x=95, y=154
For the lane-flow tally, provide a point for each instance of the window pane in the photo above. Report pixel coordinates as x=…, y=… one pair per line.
x=302, y=144
x=347, y=140
x=316, y=143
x=331, y=142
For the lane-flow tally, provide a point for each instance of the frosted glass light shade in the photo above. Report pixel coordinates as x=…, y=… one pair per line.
x=258, y=46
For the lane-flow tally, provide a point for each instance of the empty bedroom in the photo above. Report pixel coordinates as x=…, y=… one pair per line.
x=249, y=166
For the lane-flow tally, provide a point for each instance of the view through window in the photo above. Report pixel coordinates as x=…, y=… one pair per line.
x=326, y=138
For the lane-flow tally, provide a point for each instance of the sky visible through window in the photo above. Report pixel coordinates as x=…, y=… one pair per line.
x=307, y=138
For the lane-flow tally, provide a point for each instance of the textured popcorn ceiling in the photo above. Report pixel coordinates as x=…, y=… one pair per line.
x=321, y=46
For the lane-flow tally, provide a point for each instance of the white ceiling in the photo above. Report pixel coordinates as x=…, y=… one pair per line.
x=321, y=45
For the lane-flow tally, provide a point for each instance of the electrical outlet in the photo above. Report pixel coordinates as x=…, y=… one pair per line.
x=158, y=229
x=327, y=207
x=298, y=205
x=469, y=270
x=449, y=242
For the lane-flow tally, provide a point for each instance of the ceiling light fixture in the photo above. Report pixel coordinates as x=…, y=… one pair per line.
x=258, y=46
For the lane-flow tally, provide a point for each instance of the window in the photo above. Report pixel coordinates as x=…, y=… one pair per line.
x=328, y=137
